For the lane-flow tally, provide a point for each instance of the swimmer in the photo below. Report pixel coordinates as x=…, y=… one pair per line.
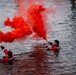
x=8, y=56
x=54, y=47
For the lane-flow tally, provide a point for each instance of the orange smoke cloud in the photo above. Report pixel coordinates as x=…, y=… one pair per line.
x=21, y=29
x=35, y=17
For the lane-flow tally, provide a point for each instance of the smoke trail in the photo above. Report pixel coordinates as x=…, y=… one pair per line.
x=35, y=17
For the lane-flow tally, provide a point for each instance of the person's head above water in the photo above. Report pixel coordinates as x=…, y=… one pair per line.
x=56, y=42
x=2, y=47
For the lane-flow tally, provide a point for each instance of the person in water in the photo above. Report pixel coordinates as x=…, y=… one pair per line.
x=8, y=56
x=54, y=47
x=5, y=51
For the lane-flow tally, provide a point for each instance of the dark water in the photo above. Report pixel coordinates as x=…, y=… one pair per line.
x=61, y=26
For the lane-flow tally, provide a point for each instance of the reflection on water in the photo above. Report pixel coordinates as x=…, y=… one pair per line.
x=40, y=56
x=63, y=24
x=29, y=64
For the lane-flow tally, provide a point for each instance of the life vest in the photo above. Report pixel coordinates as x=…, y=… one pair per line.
x=5, y=60
x=6, y=52
x=54, y=48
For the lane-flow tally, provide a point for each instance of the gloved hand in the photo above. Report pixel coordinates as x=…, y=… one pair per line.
x=2, y=47
x=50, y=43
x=46, y=46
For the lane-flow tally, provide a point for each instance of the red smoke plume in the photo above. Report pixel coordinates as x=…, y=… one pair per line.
x=21, y=29
x=35, y=17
